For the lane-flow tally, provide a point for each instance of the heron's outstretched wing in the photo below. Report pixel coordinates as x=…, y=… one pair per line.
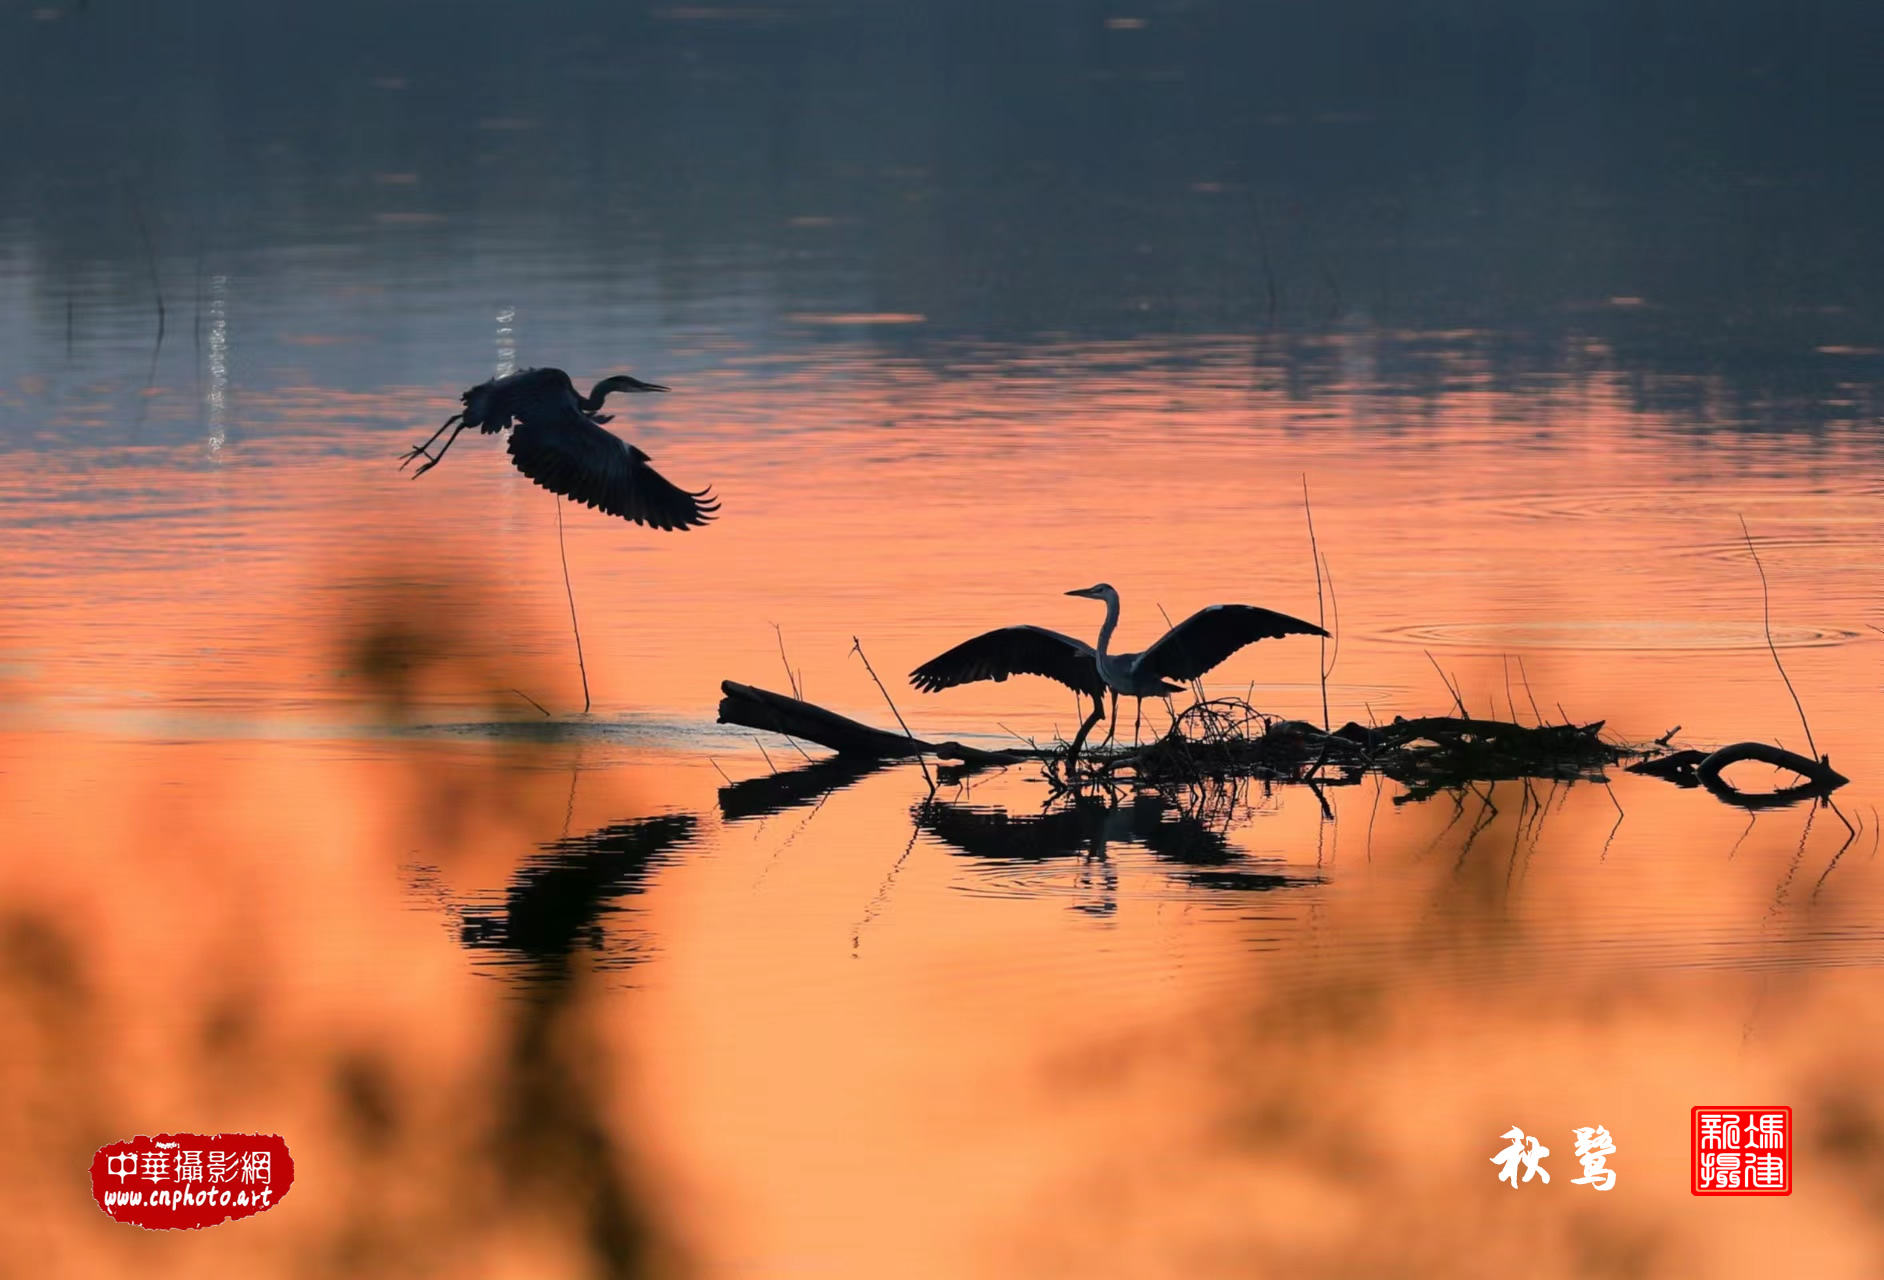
x=525, y=395
x=1212, y=634
x=1010, y=651
x=568, y=454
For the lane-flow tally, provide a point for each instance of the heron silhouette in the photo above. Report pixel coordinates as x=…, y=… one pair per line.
x=558, y=441
x=1185, y=652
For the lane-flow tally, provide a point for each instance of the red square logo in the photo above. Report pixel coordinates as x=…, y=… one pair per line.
x=1742, y=1151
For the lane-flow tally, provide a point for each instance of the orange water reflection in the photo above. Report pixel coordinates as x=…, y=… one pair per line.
x=249, y=888
x=924, y=503
x=840, y=1053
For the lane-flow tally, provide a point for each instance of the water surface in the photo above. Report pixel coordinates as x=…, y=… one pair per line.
x=962, y=310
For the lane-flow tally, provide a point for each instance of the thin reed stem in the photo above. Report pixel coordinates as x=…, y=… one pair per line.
x=798, y=690
x=1321, y=608
x=1766, y=617
x=856, y=647
x=570, y=591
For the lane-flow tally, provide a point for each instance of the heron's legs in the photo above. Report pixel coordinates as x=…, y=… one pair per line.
x=1072, y=754
x=428, y=443
x=433, y=459
x=1113, y=727
x=1137, y=721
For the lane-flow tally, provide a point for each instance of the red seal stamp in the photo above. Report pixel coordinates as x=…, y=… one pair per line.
x=1742, y=1151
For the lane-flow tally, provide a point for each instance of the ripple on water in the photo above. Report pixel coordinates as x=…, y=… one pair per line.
x=1843, y=545
x=1627, y=634
x=1658, y=503
x=1125, y=877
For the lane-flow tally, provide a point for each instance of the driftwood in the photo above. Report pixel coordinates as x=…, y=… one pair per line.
x=755, y=708
x=1216, y=739
x=1226, y=738
x=1441, y=753
x=1817, y=772
x=1690, y=768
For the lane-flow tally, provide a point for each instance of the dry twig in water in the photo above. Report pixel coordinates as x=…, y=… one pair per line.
x=1529, y=696
x=570, y=591
x=532, y=701
x=856, y=647
x=1457, y=698
x=798, y=688
x=1766, y=618
x=1321, y=616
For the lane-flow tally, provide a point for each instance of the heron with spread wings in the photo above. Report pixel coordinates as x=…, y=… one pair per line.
x=560, y=443
x=1185, y=652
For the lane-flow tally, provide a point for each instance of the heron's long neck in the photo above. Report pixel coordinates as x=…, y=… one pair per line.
x=1111, y=624
x=593, y=402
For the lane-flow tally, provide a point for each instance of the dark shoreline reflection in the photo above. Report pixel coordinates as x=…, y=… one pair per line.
x=1680, y=196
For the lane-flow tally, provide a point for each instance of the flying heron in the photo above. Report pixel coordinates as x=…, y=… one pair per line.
x=559, y=443
x=1185, y=652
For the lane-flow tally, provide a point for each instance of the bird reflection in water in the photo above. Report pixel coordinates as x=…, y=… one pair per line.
x=1088, y=826
x=557, y=903
x=556, y=1149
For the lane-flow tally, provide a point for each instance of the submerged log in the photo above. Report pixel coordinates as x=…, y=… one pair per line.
x=1444, y=729
x=1818, y=773
x=1703, y=768
x=1820, y=778
x=756, y=708
x=1676, y=767
x=1426, y=755
x=1228, y=738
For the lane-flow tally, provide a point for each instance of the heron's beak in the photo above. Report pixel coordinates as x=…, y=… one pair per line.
x=1083, y=591
x=635, y=384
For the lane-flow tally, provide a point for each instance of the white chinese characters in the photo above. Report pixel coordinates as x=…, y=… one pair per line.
x=1525, y=1152
x=194, y=1166
x=1518, y=1154
x=1594, y=1147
